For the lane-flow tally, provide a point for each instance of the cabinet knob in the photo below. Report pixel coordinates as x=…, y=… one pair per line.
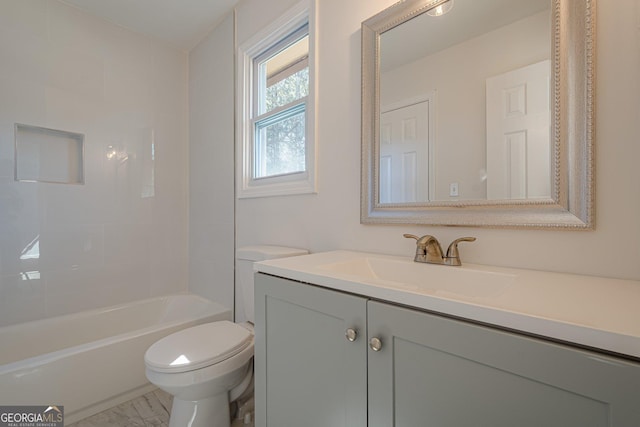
x=351, y=334
x=375, y=344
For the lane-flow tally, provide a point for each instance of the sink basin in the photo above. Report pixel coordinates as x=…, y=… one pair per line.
x=424, y=278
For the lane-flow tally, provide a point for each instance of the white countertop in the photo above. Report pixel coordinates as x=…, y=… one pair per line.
x=597, y=312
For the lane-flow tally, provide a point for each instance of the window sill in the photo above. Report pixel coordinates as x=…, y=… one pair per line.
x=289, y=188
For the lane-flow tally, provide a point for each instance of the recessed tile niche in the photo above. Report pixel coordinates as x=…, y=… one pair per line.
x=48, y=155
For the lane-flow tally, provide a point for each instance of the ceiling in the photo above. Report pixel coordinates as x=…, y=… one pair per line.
x=425, y=35
x=181, y=23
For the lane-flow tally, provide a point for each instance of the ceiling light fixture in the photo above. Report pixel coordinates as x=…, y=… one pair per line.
x=441, y=9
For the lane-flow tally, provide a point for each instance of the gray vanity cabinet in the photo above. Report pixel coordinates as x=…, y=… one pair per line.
x=429, y=370
x=436, y=371
x=308, y=374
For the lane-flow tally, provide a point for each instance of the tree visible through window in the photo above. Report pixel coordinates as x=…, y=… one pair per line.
x=286, y=139
x=276, y=130
x=282, y=89
x=288, y=90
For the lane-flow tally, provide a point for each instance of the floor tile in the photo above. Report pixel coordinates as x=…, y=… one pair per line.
x=149, y=406
x=156, y=422
x=165, y=398
x=152, y=409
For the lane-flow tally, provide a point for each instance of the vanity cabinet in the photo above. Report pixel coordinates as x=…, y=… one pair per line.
x=429, y=370
x=437, y=371
x=308, y=374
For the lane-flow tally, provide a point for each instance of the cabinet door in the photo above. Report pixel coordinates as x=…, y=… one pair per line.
x=307, y=372
x=438, y=372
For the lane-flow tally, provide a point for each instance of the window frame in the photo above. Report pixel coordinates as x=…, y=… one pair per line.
x=274, y=35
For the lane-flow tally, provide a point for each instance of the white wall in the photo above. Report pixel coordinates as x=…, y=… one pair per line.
x=211, y=165
x=330, y=219
x=460, y=113
x=100, y=243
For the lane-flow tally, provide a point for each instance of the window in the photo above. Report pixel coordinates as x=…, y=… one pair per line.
x=277, y=135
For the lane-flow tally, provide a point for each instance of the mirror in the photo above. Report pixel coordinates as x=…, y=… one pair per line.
x=479, y=113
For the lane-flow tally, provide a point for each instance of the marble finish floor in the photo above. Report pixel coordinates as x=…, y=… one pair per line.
x=152, y=409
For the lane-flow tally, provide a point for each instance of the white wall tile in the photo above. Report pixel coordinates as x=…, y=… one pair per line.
x=68, y=247
x=76, y=71
x=212, y=280
x=74, y=289
x=71, y=27
x=22, y=208
x=19, y=250
x=211, y=166
x=169, y=276
x=124, y=283
x=127, y=243
x=22, y=297
x=106, y=241
x=27, y=17
x=168, y=79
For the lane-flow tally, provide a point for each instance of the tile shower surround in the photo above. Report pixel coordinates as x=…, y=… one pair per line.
x=122, y=235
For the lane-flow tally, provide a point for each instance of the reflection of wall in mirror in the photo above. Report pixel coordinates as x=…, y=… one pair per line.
x=458, y=74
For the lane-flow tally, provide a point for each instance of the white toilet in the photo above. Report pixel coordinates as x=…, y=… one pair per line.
x=206, y=367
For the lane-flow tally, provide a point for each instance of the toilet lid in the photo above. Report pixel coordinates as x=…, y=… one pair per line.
x=198, y=347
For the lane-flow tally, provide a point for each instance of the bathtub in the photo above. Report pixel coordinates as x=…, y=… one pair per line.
x=93, y=360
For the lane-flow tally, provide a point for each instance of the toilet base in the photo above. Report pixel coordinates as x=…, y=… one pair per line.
x=209, y=412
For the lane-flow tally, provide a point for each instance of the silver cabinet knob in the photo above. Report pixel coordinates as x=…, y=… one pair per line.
x=375, y=344
x=351, y=334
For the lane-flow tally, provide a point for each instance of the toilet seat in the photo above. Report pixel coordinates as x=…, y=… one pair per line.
x=198, y=347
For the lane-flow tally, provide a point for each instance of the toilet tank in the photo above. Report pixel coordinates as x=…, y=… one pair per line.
x=245, y=257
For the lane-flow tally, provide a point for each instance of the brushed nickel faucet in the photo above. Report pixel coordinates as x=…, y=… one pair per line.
x=428, y=250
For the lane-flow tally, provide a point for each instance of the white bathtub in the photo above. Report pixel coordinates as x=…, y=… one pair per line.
x=92, y=360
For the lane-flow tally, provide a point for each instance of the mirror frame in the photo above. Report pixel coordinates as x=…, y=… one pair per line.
x=571, y=206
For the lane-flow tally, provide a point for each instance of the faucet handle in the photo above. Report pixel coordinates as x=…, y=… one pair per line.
x=421, y=250
x=453, y=256
x=425, y=240
x=422, y=241
x=428, y=249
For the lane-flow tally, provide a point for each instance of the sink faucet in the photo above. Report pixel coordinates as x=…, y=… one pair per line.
x=428, y=250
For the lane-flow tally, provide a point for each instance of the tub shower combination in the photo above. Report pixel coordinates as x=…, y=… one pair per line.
x=93, y=360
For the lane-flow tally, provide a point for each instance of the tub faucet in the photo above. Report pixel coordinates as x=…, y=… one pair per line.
x=428, y=250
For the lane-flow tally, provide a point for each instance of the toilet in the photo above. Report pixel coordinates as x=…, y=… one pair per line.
x=206, y=367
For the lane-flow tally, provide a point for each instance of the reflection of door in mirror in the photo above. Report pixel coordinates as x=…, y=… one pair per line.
x=518, y=134
x=454, y=55
x=407, y=51
x=404, y=151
